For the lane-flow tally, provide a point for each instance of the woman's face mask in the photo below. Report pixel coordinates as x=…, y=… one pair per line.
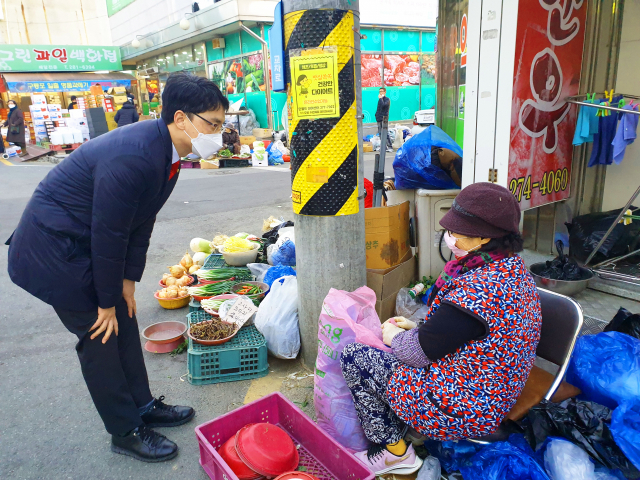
x=12, y=105
x=205, y=145
x=451, y=241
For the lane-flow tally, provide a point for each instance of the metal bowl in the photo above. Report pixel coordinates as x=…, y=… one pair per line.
x=563, y=287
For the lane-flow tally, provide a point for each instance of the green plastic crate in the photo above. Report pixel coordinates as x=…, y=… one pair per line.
x=194, y=306
x=214, y=260
x=242, y=358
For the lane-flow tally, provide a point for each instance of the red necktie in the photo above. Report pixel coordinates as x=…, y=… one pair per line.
x=175, y=168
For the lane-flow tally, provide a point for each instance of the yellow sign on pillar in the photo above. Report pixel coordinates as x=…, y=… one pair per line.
x=315, y=86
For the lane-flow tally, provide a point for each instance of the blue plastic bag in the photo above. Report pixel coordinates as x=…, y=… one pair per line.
x=277, y=272
x=285, y=255
x=512, y=460
x=452, y=455
x=625, y=427
x=412, y=165
x=275, y=155
x=606, y=367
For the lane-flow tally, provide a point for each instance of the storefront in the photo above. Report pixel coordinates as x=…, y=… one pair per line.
x=50, y=75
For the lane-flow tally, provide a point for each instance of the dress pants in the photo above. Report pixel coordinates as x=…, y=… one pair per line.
x=114, y=372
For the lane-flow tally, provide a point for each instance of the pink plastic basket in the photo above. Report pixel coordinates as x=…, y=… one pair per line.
x=322, y=456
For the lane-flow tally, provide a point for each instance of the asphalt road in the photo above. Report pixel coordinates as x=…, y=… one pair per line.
x=49, y=428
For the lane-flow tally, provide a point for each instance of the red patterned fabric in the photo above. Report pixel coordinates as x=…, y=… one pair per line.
x=468, y=393
x=175, y=168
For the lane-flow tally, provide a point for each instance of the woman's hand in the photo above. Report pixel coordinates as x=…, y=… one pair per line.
x=128, y=291
x=389, y=330
x=404, y=323
x=106, y=322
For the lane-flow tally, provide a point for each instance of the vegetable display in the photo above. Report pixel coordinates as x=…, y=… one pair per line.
x=212, y=330
x=211, y=289
x=187, y=261
x=210, y=304
x=248, y=289
x=225, y=274
x=199, y=258
x=237, y=244
x=200, y=245
x=173, y=292
x=226, y=153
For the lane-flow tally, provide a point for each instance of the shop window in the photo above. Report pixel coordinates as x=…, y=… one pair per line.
x=401, y=41
x=401, y=70
x=213, y=54
x=371, y=70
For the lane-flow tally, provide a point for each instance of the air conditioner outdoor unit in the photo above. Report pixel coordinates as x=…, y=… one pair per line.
x=217, y=43
x=151, y=71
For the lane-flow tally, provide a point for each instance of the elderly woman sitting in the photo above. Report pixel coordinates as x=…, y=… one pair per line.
x=457, y=374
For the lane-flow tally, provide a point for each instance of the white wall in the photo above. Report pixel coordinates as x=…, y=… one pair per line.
x=622, y=180
x=408, y=13
x=55, y=22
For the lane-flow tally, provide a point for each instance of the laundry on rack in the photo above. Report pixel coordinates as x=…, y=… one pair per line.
x=602, y=152
x=626, y=133
x=587, y=124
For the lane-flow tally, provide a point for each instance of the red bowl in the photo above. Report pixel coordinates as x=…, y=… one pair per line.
x=297, y=476
x=231, y=458
x=267, y=449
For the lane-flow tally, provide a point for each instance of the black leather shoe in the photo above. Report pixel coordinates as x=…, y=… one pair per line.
x=144, y=444
x=161, y=415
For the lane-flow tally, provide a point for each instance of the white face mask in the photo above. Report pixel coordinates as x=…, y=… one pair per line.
x=205, y=145
x=451, y=241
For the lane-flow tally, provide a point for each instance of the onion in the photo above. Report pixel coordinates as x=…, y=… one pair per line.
x=200, y=245
x=187, y=261
x=199, y=258
x=162, y=293
x=194, y=268
x=183, y=281
x=170, y=281
x=183, y=292
x=165, y=276
x=177, y=271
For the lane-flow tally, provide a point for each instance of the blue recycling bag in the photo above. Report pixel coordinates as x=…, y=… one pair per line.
x=606, y=367
x=275, y=155
x=625, y=427
x=277, y=272
x=412, y=166
x=285, y=255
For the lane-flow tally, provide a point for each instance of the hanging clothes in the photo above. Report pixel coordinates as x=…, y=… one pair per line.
x=587, y=125
x=626, y=133
x=602, y=152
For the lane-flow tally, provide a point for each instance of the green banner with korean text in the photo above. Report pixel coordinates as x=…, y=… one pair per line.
x=59, y=58
x=114, y=6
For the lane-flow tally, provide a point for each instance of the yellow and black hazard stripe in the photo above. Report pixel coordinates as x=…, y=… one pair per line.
x=328, y=144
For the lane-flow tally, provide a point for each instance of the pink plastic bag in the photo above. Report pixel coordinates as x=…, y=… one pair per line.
x=346, y=318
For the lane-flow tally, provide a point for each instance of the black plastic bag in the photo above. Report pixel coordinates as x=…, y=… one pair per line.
x=625, y=322
x=585, y=424
x=561, y=268
x=586, y=231
x=272, y=235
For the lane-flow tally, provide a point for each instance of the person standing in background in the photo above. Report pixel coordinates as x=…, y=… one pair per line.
x=15, y=125
x=381, y=112
x=74, y=103
x=126, y=115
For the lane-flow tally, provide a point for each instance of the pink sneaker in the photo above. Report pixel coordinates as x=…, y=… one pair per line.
x=380, y=460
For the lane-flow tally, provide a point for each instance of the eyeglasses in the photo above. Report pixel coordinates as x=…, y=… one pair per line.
x=459, y=237
x=217, y=128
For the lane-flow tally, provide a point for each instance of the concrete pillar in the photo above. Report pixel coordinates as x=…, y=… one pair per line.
x=330, y=247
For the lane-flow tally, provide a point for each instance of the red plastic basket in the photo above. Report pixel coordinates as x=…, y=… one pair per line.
x=322, y=456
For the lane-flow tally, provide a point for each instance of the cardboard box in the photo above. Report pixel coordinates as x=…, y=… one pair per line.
x=386, y=235
x=118, y=91
x=256, y=162
x=38, y=99
x=120, y=99
x=54, y=108
x=38, y=108
x=247, y=140
x=367, y=147
x=209, y=164
x=387, y=283
x=262, y=133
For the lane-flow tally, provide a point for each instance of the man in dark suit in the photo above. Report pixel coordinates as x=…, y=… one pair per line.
x=81, y=245
x=382, y=115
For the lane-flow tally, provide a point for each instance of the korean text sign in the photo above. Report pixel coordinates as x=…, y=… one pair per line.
x=52, y=58
x=314, y=85
x=549, y=43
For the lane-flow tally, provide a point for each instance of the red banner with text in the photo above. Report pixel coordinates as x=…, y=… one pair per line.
x=549, y=43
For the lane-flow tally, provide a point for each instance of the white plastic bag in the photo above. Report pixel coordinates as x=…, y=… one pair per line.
x=280, y=147
x=245, y=149
x=407, y=307
x=375, y=142
x=277, y=318
x=258, y=270
x=565, y=461
x=430, y=469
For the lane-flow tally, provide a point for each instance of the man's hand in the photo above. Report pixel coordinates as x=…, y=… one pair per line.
x=106, y=322
x=389, y=330
x=128, y=290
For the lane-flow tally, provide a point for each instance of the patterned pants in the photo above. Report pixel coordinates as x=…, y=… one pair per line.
x=367, y=372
